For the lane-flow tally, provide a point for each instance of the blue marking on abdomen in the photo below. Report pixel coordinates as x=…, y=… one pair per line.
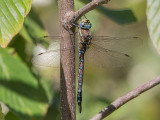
x=80, y=75
x=79, y=96
x=82, y=60
x=80, y=84
x=81, y=68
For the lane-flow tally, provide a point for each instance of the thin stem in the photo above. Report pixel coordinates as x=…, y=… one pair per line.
x=90, y=6
x=124, y=99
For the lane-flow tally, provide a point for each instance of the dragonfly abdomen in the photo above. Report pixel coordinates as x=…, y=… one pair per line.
x=80, y=78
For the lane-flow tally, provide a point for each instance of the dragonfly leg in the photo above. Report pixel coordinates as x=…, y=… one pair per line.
x=85, y=16
x=77, y=25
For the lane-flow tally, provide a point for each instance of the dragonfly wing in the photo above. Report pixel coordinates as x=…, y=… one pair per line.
x=56, y=40
x=105, y=57
x=47, y=59
x=121, y=44
x=51, y=56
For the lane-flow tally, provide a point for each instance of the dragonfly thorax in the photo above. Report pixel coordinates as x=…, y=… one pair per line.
x=85, y=24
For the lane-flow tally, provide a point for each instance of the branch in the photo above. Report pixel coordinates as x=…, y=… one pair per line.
x=67, y=65
x=71, y=17
x=90, y=6
x=124, y=99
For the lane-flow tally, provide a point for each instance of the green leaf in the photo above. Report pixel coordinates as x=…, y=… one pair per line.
x=33, y=28
x=19, y=45
x=153, y=22
x=1, y=114
x=20, y=89
x=11, y=116
x=31, y=33
x=12, y=13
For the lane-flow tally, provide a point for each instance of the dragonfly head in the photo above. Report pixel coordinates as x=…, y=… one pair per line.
x=85, y=24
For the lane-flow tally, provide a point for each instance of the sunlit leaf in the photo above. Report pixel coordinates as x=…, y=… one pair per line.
x=12, y=13
x=153, y=21
x=19, y=88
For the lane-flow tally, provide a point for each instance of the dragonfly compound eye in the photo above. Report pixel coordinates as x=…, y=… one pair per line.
x=89, y=26
x=82, y=25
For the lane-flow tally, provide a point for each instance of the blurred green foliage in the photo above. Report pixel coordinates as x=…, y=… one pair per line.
x=32, y=94
x=1, y=114
x=124, y=16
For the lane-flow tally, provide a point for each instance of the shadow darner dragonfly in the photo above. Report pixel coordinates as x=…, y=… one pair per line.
x=103, y=50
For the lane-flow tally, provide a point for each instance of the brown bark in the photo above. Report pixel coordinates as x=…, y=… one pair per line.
x=67, y=66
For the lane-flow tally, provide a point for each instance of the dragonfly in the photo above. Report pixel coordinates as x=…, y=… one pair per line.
x=104, y=50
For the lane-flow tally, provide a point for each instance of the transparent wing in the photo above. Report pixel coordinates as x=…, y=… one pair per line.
x=120, y=44
x=105, y=51
x=105, y=57
x=47, y=59
x=51, y=56
x=56, y=39
x=48, y=39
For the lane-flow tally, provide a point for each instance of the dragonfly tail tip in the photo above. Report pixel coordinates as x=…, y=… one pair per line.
x=80, y=109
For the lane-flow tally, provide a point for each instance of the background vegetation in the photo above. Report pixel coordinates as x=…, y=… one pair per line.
x=31, y=92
